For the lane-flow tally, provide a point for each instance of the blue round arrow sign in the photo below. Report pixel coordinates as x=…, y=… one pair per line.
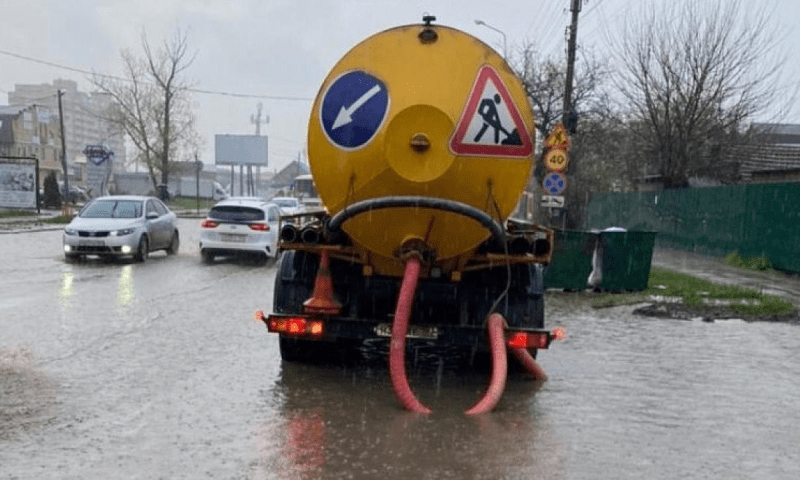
x=353, y=109
x=554, y=183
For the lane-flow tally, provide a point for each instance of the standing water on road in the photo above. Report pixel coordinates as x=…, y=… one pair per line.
x=157, y=370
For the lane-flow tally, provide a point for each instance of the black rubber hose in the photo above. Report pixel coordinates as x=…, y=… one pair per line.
x=311, y=235
x=416, y=202
x=288, y=233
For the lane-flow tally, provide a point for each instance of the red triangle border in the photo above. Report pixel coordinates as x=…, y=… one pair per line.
x=457, y=145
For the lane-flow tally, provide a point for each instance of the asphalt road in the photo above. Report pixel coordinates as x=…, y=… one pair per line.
x=158, y=370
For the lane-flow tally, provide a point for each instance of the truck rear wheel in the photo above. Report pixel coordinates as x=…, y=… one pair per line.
x=294, y=281
x=296, y=350
x=293, y=285
x=522, y=308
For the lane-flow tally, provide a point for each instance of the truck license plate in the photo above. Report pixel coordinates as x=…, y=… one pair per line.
x=414, y=331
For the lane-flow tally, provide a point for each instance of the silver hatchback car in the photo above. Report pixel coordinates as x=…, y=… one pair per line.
x=240, y=225
x=120, y=226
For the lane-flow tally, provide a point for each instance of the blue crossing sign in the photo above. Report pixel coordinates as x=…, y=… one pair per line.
x=554, y=183
x=353, y=109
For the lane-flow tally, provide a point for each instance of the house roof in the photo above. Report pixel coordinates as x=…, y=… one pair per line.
x=11, y=110
x=777, y=152
x=779, y=133
x=769, y=158
x=287, y=175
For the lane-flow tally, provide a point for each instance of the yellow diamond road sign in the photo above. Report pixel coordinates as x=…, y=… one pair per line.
x=558, y=138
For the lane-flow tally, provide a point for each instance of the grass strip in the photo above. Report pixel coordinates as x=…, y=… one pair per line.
x=694, y=291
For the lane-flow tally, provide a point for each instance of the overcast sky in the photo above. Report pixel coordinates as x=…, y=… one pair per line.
x=279, y=51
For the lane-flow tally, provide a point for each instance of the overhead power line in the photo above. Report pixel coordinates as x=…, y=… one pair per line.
x=193, y=90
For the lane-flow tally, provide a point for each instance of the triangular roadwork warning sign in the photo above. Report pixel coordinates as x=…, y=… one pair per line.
x=558, y=138
x=491, y=125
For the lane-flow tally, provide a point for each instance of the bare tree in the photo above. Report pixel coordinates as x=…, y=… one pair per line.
x=594, y=149
x=152, y=104
x=543, y=80
x=692, y=73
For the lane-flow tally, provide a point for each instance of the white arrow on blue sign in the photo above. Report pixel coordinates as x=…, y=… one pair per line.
x=353, y=109
x=554, y=183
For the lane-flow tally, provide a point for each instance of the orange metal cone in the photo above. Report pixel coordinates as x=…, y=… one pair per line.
x=323, y=301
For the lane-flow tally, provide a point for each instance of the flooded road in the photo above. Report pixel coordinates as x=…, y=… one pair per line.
x=158, y=370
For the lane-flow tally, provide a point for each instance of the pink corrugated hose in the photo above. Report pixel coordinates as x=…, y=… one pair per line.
x=397, y=348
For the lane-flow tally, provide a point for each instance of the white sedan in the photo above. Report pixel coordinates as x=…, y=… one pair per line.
x=240, y=226
x=121, y=226
x=288, y=205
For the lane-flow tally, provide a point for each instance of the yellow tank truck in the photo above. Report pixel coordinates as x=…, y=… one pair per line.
x=420, y=143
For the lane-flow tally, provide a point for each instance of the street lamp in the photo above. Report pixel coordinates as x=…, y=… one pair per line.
x=481, y=22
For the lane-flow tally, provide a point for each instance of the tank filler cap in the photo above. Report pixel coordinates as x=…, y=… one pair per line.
x=420, y=142
x=428, y=34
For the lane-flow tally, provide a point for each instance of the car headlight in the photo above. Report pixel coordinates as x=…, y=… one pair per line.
x=70, y=231
x=122, y=232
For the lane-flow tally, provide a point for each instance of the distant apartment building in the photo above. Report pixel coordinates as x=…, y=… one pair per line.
x=84, y=120
x=31, y=131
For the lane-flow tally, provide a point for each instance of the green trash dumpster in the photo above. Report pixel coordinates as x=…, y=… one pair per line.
x=571, y=263
x=626, y=258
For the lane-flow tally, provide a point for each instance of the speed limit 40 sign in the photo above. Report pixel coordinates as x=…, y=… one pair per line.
x=556, y=160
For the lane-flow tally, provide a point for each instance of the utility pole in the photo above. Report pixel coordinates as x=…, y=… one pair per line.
x=573, y=34
x=256, y=119
x=63, y=146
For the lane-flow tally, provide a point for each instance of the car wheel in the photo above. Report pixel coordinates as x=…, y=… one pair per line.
x=143, y=250
x=207, y=256
x=175, y=244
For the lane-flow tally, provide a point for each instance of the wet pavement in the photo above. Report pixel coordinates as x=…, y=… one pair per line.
x=784, y=285
x=157, y=370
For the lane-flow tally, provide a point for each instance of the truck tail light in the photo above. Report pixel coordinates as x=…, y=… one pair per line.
x=293, y=325
x=536, y=339
x=559, y=333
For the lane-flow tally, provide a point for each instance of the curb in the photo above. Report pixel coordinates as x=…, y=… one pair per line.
x=31, y=224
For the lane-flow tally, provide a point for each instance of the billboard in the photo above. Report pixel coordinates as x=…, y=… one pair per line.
x=98, y=169
x=18, y=182
x=240, y=150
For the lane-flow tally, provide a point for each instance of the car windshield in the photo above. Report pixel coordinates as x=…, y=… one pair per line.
x=236, y=213
x=113, y=209
x=285, y=203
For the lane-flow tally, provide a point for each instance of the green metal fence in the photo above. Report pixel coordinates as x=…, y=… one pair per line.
x=751, y=220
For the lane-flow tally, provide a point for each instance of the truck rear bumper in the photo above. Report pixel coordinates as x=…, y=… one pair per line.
x=335, y=328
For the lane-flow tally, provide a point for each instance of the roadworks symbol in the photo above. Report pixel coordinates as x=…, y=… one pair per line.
x=491, y=124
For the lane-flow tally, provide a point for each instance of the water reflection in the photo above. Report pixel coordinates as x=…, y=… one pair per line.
x=67, y=288
x=306, y=439
x=345, y=422
x=125, y=293
x=627, y=397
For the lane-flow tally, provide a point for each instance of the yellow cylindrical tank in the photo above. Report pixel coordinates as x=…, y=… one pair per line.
x=421, y=110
